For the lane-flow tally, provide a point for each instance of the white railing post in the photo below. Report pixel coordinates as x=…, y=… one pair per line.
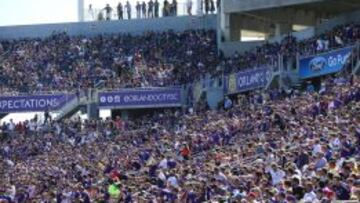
x=81, y=9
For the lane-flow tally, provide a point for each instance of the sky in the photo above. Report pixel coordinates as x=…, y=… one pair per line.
x=25, y=12
x=21, y=12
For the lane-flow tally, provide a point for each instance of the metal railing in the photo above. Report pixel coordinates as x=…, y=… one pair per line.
x=137, y=88
x=70, y=106
x=15, y=93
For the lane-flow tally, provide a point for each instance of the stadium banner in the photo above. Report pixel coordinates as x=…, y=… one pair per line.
x=34, y=103
x=252, y=79
x=140, y=98
x=324, y=64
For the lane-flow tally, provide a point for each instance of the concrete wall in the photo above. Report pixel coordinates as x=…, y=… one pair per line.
x=274, y=22
x=288, y=15
x=229, y=48
x=300, y=35
x=231, y=6
x=135, y=27
x=343, y=19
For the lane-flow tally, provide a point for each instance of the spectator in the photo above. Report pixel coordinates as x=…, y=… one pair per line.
x=156, y=8
x=128, y=9
x=120, y=11
x=47, y=116
x=228, y=103
x=151, y=9
x=138, y=10
x=174, y=8
x=166, y=8
x=108, y=11
x=91, y=13
x=143, y=8
x=207, y=6
x=189, y=5
x=339, y=41
x=100, y=16
x=212, y=6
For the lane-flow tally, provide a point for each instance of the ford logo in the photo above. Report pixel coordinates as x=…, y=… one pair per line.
x=317, y=64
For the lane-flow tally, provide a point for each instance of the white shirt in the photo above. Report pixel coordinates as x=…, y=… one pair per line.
x=32, y=126
x=162, y=176
x=310, y=197
x=91, y=14
x=339, y=40
x=220, y=176
x=316, y=149
x=173, y=181
x=319, y=45
x=326, y=44
x=11, y=192
x=11, y=126
x=276, y=176
x=335, y=143
x=163, y=164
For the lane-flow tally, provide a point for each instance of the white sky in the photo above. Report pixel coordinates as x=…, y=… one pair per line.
x=20, y=12
x=24, y=12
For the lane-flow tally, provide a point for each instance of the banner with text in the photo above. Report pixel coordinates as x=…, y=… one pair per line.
x=31, y=103
x=324, y=64
x=147, y=98
x=252, y=79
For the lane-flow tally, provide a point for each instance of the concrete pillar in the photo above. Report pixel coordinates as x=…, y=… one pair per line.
x=235, y=33
x=125, y=115
x=235, y=27
x=199, y=4
x=226, y=27
x=81, y=11
x=92, y=111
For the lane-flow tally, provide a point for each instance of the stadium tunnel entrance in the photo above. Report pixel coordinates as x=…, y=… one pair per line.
x=131, y=114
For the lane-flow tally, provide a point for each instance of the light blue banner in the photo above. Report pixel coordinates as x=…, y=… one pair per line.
x=33, y=103
x=143, y=98
x=323, y=64
x=252, y=79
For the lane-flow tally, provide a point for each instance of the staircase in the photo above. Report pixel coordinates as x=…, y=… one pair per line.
x=71, y=107
x=273, y=79
x=356, y=70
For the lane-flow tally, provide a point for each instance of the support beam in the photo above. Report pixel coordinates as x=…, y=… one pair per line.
x=81, y=11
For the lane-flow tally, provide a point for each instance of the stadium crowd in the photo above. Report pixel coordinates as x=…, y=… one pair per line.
x=268, y=147
x=290, y=47
x=67, y=63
